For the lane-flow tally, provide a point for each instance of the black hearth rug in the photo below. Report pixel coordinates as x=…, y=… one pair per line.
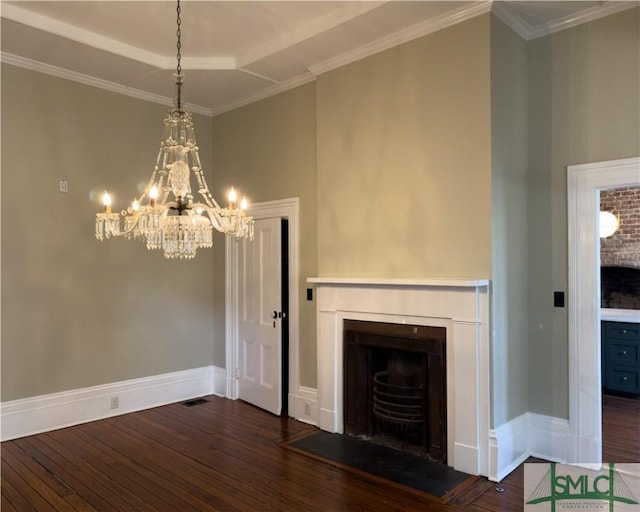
x=381, y=461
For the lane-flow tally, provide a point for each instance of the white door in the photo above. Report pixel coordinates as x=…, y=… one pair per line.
x=259, y=317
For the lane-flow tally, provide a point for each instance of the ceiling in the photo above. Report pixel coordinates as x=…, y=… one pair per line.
x=236, y=52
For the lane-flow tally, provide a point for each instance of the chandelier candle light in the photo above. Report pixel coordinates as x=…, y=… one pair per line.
x=176, y=224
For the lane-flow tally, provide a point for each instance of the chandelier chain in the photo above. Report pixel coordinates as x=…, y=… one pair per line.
x=179, y=35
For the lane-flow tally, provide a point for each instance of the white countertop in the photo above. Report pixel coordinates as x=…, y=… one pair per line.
x=620, y=315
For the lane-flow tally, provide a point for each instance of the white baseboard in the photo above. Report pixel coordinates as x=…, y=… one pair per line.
x=43, y=413
x=508, y=447
x=465, y=459
x=549, y=437
x=219, y=381
x=305, y=405
x=528, y=435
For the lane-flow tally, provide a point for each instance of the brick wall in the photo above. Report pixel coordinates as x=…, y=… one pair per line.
x=622, y=249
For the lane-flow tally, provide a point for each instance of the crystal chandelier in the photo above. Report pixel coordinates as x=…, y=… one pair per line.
x=165, y=216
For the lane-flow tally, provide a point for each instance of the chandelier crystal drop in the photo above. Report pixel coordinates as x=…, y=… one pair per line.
x=165, y=216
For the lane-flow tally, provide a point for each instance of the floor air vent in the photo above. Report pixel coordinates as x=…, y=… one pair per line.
x=195, y=401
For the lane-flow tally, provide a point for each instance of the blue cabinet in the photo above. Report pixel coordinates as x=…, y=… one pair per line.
x=621, y=357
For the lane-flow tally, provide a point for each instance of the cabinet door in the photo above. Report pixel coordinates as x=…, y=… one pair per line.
x=622, y=331
x=622, y=353
x=623, y=379
x=621, y=356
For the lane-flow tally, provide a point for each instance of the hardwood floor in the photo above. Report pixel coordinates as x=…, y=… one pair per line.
x=225, y=456
x=620, y=429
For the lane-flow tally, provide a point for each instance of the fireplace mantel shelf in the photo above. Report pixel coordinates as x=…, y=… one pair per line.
x=437, y=282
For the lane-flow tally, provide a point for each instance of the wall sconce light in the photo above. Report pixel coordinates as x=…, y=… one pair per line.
x=609, y=224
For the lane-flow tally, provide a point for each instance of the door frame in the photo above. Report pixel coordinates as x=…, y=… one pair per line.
x=284, y=209
x=585, y=396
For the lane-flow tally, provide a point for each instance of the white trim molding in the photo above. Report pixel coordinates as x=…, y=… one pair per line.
x=585, y=402
x=548, y=437
x=219, y=381
x=305, y=405
x=620, y=315
x=43, y=413
x=86, y=37
x=529, y=32
x=92, y=81
x=242, y=62
x=261, y=94
x=461, y=306
x=584, y=16
x=405, y=35
x=528, y=435
x=508, y=447
x=287, y=209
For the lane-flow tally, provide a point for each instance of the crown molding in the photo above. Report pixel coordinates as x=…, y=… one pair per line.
x=66, y=74
x=528, y=32
x=264, y=93
x=516, y=24
x=413, y=32
x=333, y=19
x=48, y=69
x=79, y=35
x=499, y=9
x=94, y=40
x=585, y=16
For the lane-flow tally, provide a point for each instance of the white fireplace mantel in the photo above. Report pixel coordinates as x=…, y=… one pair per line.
x=437, y=282
x=459, y=305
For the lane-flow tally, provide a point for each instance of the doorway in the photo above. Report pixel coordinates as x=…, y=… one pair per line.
x=585, y=403
x=287, y=378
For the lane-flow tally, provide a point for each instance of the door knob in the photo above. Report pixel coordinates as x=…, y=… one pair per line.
x=274, y=314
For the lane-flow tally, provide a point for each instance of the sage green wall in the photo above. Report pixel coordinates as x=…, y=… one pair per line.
x=404, y=160
x=509, y=223
x=584, y=106
x=400, y=139
x=77, y=312
x=268, y=150
x=407, y=164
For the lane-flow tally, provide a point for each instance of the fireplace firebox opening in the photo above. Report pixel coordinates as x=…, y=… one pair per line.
x=395, y=386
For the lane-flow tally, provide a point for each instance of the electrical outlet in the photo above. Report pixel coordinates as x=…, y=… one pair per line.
x=64, y=186
x=115, y=402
